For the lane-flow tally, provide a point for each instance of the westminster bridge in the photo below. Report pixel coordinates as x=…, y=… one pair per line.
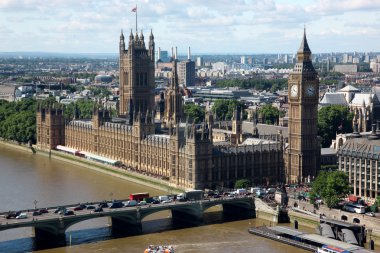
x=127, y=220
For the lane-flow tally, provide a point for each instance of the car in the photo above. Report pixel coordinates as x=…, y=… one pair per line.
x=22, y=216
x=59, y=210
x=98, y=209
x=36, y=213
x=90, y=207
x=131, y=203
x=142, y=203
x=156, y=201
x=43, y=210
x=12, y=215
x=167, y=201
x=216, y=196
x=370, y=214
x=68, y=212
x=103, y=204
x=79, y=207
x=117, y=204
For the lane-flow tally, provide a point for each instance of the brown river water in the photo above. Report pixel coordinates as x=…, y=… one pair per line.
x=25, y=177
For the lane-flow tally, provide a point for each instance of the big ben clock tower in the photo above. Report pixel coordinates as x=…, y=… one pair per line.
x=303, y=152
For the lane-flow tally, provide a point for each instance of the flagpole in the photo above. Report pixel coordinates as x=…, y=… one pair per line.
x=136, y=18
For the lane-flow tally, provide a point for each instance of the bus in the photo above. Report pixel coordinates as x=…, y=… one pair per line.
x=354, y=208
x=138, y=196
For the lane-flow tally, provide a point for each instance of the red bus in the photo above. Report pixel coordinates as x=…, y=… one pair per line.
x=138, y=196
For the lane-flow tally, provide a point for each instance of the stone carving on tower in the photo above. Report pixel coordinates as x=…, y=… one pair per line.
x=136, y=66
x=303, y=152
x=173, y=99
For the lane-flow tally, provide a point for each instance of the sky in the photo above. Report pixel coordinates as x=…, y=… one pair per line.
x=207, y=26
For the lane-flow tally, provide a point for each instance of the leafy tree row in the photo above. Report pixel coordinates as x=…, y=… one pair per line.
x=331, y=187
x=224, y=109
x=333, y=119
x=194, y=112
x=254, y=83
x=18, y=120
x=270, y=114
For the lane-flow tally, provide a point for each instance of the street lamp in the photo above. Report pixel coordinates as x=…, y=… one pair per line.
x=35, y=204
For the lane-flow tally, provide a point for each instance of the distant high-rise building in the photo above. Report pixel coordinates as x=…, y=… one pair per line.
x=285, y=58
x=162, y=55
x=186, y=73
x=250, y=60
x=366, y=58
x=265, y=61
x=345, y=58
x=243, y=60
x=199, y=62
x=355, y=60
x=328, y=65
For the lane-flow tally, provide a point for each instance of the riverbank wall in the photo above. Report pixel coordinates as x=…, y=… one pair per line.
x=131, y=176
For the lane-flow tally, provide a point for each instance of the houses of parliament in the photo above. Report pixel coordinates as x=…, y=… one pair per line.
x=159, y=140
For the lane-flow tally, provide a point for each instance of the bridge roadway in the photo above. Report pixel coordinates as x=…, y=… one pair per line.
x=50, y=227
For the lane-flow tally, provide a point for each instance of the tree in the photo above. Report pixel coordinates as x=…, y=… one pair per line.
x=269, y=113
x=224, y=109
x=194, y=112
x=333, y=119
x=242, y=183
x=331, y=187
x=84, y=107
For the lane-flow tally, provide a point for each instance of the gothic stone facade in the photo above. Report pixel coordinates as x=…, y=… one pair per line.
x=303, y=152
x=184, y=153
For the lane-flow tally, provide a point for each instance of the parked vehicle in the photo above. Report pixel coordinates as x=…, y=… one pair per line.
x=131, y=203
x=241, y=191
x=44, y=210
x=12, y=215
x=116, y=204
x=68, y=212
x=163, y=198
x=139, y=196
x=22, y=216
x=103, y=204
x=353, y=208
x=194, y=195
x=80, y=207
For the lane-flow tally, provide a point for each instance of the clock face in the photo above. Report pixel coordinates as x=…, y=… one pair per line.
x=310, y=90
x=294, y=90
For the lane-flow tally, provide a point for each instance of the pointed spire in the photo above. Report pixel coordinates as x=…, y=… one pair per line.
x=151, y=37
x=304, y=47
x=121, y=35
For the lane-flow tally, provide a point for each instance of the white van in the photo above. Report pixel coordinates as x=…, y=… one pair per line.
x=22, y=216
x=163, y=198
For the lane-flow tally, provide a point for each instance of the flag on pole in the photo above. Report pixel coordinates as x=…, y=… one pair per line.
x=134, y=9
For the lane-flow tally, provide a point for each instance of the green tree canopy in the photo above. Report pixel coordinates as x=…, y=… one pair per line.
x=333, y=119
x=331, y=187
x=85, y=108
x=224, y=109
x=270, y=114
x=18, y=120
x=242, y=183
x=194, y=112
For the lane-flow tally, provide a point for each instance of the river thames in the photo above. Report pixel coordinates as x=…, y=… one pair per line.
x=27, y=179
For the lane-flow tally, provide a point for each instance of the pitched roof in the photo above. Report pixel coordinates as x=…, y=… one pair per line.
x=304, y=47
x=332, y=98
x=349, y=88
x=362, y=98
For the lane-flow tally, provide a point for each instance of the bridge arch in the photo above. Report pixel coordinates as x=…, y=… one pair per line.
x=344, y=218
x=356, y=220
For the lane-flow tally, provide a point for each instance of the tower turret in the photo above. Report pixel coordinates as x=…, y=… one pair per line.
x=122, y=43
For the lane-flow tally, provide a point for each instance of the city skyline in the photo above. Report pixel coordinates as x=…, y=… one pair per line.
x=242, y=27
